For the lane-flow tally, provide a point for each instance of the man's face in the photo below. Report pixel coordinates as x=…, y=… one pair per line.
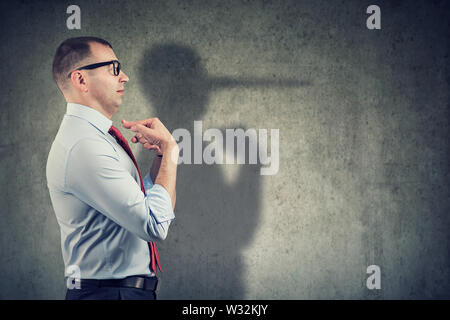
x=104, y=88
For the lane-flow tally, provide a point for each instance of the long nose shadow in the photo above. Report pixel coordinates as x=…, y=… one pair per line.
x=215, y=220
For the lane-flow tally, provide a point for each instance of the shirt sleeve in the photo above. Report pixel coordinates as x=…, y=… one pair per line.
x=159, y=200
x=95, y=175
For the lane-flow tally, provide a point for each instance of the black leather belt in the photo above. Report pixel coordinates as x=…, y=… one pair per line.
x=145, y=283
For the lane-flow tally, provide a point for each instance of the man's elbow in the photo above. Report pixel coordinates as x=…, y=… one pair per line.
x=162, y=235
x=159, y=222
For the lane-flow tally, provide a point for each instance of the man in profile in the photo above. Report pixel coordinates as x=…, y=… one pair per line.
x=109, y=216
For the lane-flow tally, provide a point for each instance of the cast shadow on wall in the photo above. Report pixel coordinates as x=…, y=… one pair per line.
x=202, y=256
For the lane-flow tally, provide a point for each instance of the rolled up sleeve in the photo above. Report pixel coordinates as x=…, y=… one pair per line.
x=158, y=200
x=160, y=204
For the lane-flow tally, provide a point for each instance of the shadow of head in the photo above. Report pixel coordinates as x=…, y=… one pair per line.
x=175, y=82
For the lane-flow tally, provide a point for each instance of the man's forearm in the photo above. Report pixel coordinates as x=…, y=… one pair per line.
x=155, y=168
x=167, y=172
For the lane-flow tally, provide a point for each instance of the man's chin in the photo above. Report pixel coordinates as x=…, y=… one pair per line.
x=113, y=107
x=117, y=104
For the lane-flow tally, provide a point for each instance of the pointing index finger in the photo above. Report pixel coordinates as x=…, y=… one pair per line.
x=128, y=124
x=138, y=127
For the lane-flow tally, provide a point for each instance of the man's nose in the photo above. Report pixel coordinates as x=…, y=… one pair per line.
x=123, y=77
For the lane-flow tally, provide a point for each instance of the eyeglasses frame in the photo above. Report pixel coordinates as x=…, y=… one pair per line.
x=116, y=70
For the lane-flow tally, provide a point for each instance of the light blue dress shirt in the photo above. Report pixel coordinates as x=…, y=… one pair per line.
x=104, y=217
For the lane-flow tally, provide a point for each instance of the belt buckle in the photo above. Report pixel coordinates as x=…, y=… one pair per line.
x=140, y=283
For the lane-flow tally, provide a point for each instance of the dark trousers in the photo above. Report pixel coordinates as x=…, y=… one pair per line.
x=88, y=292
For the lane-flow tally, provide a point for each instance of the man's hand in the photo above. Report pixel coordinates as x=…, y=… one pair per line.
x=152, y=134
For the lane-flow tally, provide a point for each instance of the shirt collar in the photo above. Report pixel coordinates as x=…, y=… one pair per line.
x=87, y=113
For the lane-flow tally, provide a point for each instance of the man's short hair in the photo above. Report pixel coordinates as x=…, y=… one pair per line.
x=69, y=54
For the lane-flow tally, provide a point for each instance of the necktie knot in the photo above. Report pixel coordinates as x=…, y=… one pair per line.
x=116, y=134
x=124, y=144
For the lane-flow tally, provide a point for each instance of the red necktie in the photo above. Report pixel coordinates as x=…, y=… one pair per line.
x=124, y=144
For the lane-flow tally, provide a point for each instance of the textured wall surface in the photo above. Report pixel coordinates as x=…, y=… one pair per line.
x=363, y=146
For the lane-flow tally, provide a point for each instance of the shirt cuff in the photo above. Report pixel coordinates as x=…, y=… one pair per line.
x=158, y=200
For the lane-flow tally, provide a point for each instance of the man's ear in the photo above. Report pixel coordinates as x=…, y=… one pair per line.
x=78, y=80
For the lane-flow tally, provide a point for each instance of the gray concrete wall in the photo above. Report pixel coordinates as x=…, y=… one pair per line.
x=363, y=117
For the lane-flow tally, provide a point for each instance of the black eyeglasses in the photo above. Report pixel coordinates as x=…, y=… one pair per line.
x=115, y=63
